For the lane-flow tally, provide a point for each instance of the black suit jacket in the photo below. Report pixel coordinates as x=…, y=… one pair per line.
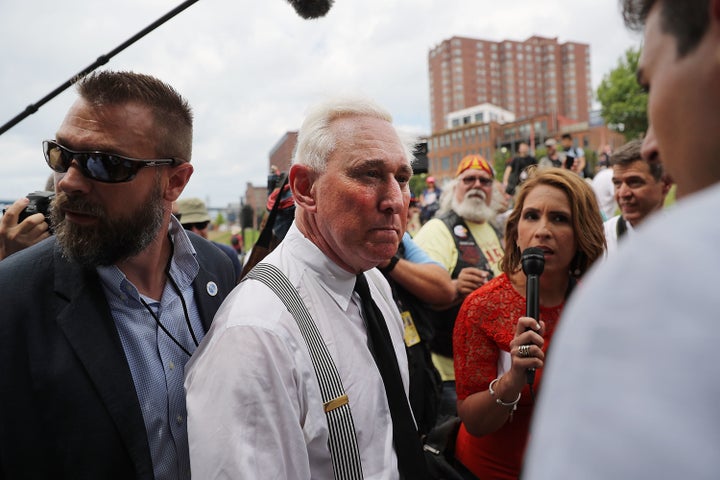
x=68, y=407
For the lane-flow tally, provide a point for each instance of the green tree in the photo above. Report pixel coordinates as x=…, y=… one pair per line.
x=624, y=103
x=501, y=158
x=417, y=184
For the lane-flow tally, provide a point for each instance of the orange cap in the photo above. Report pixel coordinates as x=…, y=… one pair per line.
x=476, y=162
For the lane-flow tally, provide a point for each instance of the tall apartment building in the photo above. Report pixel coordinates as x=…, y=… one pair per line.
x=528, y=78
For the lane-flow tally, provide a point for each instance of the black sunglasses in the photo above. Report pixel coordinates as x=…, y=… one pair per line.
x=196, y=225
x=100, y=166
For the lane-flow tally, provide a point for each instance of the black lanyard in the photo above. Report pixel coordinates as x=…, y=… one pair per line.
x=184, y=306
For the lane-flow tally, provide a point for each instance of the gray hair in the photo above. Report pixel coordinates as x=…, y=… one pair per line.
x=316, y=140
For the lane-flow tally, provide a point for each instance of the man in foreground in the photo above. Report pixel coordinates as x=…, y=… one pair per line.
x=99, y=320
x=631, y=390
x=256, y=407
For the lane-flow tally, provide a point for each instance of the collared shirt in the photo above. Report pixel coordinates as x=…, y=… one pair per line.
x=254, y=404
x=156, y=363
x=611, y=237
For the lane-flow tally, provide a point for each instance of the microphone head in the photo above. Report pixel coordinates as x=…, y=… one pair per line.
x=533, y=261
x=311, y=8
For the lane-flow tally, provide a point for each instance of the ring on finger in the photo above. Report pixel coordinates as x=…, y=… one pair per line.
x=524, y=351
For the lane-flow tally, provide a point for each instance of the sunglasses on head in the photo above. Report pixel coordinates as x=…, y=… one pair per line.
x=100, y=166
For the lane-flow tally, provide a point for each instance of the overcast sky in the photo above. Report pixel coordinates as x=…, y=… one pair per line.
x=250, y=69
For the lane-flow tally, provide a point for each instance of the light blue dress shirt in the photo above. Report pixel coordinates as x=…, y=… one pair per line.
x=156, y=362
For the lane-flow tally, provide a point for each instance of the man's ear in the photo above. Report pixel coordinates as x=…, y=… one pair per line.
x=177, y=179
x=667, y=184
x=302, y=182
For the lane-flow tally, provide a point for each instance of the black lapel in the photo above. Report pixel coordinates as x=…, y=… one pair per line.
x=205, y=285
x=88, y=325
x=210, y=288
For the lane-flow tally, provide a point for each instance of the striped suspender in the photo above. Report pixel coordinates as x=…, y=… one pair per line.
x=342, y=441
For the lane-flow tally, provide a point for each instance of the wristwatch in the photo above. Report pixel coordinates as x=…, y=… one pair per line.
x=393, y=261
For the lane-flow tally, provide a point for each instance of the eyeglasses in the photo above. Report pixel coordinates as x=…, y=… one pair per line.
x=100, y=166
x=484, y=181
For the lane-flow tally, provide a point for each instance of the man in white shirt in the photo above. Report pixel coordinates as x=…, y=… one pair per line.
x=254, y=401
x=640, y=189
x=602, y=185
x=631, y=390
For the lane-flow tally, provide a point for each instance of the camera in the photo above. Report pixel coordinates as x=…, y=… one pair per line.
x=39, y=203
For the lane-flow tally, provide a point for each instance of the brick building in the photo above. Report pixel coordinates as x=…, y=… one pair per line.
x=281, y=154
x=447, y=147
x=538, y=75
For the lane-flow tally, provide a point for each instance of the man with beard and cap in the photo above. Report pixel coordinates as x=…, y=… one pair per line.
x=461, y=238
x=100, y=319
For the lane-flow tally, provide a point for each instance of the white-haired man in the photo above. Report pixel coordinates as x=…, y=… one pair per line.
x=257, y=392
x=461, y=238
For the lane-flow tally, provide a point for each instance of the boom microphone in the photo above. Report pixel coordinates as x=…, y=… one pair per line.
x=311, y=8
x=533, y=264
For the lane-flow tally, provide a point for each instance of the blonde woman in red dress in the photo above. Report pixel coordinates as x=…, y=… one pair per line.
x=495, y=344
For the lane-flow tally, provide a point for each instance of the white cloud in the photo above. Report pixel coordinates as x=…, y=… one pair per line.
x=250, y=69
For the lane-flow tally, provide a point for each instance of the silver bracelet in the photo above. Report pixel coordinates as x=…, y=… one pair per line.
x=500, y=402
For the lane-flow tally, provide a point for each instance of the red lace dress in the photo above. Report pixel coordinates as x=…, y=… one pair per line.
x=484, y=328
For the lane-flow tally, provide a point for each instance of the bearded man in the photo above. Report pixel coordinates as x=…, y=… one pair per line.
x=100, y=319
x=461, y=238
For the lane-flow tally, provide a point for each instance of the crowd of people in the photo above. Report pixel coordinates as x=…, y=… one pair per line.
x=130, y=350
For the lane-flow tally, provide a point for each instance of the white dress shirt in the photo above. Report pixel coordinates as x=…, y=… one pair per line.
x=254, y=404
x=611, y=237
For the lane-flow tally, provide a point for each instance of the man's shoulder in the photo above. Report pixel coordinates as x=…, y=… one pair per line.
x=229, y=251
x=29, y=261
x=602, y=176
x=430, y=229
x=688, y=221
x=207, y=251
x=528, y=160
x=673, y=252
x=610, y=222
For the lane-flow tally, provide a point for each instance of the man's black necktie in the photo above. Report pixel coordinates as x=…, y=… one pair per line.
x=411, y=460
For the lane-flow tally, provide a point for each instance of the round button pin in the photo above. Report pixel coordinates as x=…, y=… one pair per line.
x=212, y=289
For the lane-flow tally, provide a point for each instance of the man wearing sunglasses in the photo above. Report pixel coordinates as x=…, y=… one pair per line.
x=100, y=319
x=461, y=238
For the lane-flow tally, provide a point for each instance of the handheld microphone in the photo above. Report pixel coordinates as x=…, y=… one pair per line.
x=533, y=264
x=311, y=8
